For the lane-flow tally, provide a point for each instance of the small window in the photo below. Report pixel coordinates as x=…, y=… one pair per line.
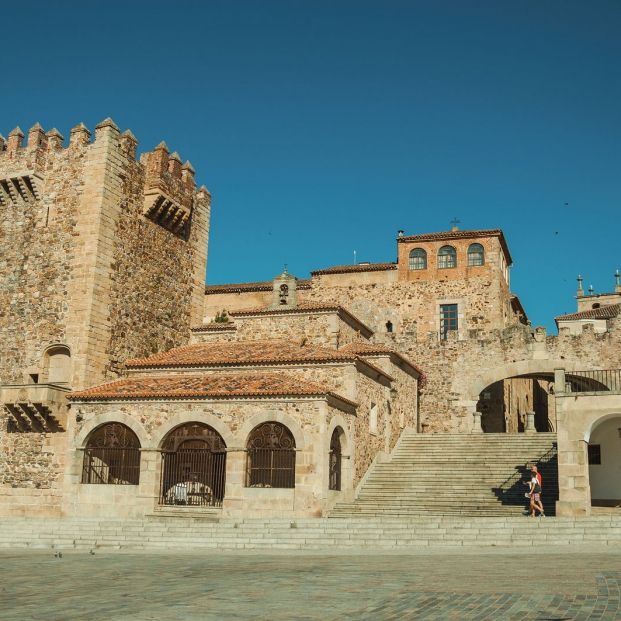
x=596, y=305
x=373, y=418
x=448, y=319
x=476, y=255
x=389, y=326
x=270, y=457
x=447, y=257
x=112, y=456
x=595, y=454
x=34, y=378
x=418, y=259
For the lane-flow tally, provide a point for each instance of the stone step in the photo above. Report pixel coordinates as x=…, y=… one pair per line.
x=452, y=474
x=383, y=532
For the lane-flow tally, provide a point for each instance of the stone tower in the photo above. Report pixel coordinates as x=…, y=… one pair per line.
x=103, y=256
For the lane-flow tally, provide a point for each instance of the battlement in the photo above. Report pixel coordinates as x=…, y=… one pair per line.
x=169, y=187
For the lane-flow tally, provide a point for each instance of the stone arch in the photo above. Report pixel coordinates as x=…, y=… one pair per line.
x=513, y=369
x=596, y=422
x=276, y=416
x=195, y=417
x=113, y=417
x=338, y=421
x=604, y=464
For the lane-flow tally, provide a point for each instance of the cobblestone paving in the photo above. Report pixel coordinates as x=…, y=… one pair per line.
x=580, y=585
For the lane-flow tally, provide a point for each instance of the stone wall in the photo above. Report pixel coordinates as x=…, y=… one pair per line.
x=319, y=328
x=38, y=235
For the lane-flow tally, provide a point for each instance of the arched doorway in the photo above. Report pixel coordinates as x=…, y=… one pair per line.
x=335, y=460
x=505, y=403
x=193, y=466
x=604, y=459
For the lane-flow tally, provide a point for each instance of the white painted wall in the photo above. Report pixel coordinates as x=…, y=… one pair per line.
x=605, y=479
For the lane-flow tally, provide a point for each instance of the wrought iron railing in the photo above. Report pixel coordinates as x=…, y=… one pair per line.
x=269, y=467
x=111, y=466
x=193, y=477
x=599, y=380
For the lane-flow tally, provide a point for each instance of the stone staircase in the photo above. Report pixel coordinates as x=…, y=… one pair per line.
x=451, y=474
x=178, y=534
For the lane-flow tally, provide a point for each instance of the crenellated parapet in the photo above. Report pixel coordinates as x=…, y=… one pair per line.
x=169, y=192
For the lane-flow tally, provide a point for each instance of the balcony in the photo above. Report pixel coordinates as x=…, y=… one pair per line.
x=38, y=408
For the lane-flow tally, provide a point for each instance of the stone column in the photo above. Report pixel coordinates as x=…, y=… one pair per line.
x=232, y=505
x=559, y=381
x=529, y=427
x=477, y=427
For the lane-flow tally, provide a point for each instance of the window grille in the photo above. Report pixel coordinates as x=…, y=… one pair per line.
x=447, y=257
x=418, y=259
x=476, y=255
x=270, y=457
x=112, y=456
x=448, y=319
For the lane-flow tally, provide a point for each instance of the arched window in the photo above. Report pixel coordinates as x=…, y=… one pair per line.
x=418, y=259
x=336, y=456
x=112, y=456
x=193, y=466
x=447, y=257
x=270, y=457
x=476, y=255
x=57, y=365
x=389, y=326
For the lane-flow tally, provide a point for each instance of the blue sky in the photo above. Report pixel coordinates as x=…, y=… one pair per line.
x=323, y=127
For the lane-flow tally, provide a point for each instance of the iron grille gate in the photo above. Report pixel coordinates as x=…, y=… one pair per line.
x=193, y=477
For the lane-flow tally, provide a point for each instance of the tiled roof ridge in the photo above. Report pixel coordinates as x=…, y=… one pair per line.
x=262, y=285
x=607, y=311
x=214, y=326
x=166, y=359
x=358, y=267
x=215, y=387
x=459, y=234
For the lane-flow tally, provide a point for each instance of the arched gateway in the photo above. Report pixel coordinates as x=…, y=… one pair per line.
x=193, y=466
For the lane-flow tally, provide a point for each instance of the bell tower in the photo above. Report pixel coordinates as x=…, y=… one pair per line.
x=284, y=291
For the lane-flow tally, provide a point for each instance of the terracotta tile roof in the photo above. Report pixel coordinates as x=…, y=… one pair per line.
x=220, y=386
x=305, y=308
x=248, y=353
x=225, y=326
x=375, y=349
x=607, y=311
x=360, y=267
x=241, y=287
x=240, y=353
x=448, y=235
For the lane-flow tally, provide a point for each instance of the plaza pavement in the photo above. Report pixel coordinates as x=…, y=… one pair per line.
x=570, y=583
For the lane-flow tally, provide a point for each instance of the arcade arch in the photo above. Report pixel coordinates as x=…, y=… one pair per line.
x=604, y=461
